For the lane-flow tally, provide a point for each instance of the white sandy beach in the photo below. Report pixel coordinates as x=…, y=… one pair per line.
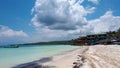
x=95, y=57
x=99, y=56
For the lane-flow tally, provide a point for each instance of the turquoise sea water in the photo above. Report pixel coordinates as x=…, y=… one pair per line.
x=10, y=57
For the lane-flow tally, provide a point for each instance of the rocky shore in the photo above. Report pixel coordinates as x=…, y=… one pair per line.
x=99, y=56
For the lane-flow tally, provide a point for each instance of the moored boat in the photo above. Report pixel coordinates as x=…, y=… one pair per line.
x=11, y=46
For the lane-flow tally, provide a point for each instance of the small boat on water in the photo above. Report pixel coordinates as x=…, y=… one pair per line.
x=11, y=46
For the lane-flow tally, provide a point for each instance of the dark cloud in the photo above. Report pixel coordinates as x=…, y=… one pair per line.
x=63, y=26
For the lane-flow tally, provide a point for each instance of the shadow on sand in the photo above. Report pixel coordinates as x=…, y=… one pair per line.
x=36, y=64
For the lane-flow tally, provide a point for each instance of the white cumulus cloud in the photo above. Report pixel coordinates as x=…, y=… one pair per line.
x=8, y=35
x=59, y=19
x=107, y=22
x=60, y=14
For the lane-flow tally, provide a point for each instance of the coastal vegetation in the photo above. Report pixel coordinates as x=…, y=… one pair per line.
x=65, y=42
x=93, y=39
x=111, y=37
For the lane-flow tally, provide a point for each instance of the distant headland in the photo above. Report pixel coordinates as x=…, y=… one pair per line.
x=111, y=37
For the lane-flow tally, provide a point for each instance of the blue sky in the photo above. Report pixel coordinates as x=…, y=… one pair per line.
x=24, y=21
x=104, y=6
x=16, y=14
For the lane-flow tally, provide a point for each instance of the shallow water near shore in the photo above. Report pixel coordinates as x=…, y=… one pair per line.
x=10, y=57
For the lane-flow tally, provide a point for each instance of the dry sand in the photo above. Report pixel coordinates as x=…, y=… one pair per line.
x=99, y=56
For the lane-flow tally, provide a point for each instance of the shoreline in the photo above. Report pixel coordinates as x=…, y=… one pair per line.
x=43, y=60
x=99, y=56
